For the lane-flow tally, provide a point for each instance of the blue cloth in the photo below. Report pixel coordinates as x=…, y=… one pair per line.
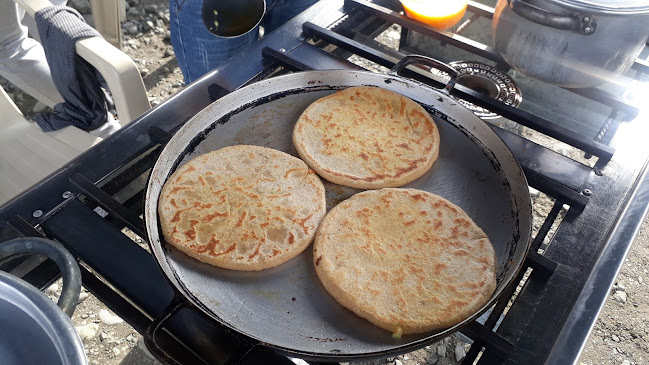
x=86, y=103
x=198, y=51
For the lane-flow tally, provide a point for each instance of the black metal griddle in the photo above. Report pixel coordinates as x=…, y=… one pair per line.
x=286, y=307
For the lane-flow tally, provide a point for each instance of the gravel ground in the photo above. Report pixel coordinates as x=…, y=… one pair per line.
x=621, y=333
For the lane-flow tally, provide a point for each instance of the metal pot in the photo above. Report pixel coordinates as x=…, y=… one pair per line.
x=34, y=329
x=571, y=43
x=232, y=18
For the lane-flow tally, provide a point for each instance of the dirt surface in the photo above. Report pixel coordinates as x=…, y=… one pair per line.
x=621, y=332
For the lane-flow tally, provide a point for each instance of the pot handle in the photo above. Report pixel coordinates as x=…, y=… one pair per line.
x=407, y=60
x=582, y=24
x=63, y=259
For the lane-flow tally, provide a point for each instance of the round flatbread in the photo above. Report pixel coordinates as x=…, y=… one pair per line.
x=405, y=259
x=367, y=138
x=242, y=207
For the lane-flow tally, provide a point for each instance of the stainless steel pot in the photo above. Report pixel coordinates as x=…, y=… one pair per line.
x=34, y=329
x=571, y=43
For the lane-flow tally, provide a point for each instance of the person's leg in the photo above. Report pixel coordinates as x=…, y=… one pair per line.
x=197, y=50
x=22, y=60
x=283, y=11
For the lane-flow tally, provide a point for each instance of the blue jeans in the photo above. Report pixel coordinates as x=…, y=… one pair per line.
x=199, y=51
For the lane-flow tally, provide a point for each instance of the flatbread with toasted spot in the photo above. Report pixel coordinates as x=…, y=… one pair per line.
x=242, y=207
x=405, y=259
x=367, y=138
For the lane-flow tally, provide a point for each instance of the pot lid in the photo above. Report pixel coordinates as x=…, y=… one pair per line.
x=627, y=7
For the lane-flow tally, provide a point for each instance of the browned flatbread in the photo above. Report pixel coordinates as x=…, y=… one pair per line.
x=405, y=259
x=367, y=138
x=242, y=207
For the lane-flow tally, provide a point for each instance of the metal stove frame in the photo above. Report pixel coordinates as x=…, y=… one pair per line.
x=83, y=205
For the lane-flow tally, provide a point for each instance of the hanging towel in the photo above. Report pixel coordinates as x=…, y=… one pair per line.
x=86, y=103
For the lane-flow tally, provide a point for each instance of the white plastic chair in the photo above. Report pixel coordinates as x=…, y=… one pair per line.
x=106, y=15
x=119, y=70
x=27, y=154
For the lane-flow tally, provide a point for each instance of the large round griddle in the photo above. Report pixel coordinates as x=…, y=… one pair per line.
x=286, y=307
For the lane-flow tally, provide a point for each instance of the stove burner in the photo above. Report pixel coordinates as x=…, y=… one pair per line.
x=486, y=80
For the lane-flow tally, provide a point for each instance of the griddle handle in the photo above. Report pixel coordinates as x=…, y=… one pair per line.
x=150, y=338
x=177, y=303
x=407, y=60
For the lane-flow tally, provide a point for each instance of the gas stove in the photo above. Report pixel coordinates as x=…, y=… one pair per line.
x=89, y=203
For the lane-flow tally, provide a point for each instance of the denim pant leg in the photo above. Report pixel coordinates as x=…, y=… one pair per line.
x=197, y=50
x=283, y=11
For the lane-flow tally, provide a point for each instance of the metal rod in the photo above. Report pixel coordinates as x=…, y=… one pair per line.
x=547, y=224
x=466, y=23
x=132, y=221
x=481, y=9
x=496, y=344
x=641, y=65
x=284, y=60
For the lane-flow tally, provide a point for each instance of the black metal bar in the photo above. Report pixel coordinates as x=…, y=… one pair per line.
x=473, y=353
x=217, y=91
x=560, y=192
x=403, y=38
x=127, y=217
x=606, y=98
x=159, y=135
x=284, y=60
x=641, y=65
x=549, y=164
x=368, y=26
x=492, y=341
x=134, y=203
x=493, y=319
x=547, y=224
x=23, y=227
x=312, y=58
x=370, y=53
x=136, y=319
x=537, y=123
x=130, y=172
x=481, y=9
x=541, y=265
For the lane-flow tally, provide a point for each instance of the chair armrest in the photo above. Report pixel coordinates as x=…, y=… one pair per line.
x=121, y=75
x=118, y=69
